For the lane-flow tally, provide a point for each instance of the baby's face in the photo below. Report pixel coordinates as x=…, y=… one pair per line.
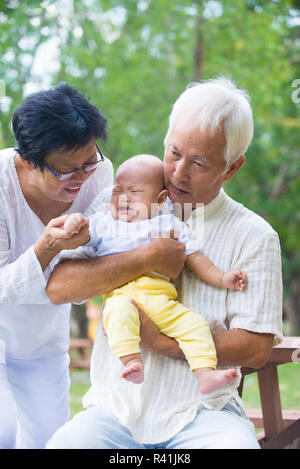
x=134, y=197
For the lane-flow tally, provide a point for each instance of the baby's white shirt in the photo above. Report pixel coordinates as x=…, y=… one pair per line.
x=110, y=236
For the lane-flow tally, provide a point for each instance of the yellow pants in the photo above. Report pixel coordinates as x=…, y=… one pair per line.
x=157, y=298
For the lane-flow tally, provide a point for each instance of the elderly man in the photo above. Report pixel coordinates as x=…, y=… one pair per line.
x=209, y=132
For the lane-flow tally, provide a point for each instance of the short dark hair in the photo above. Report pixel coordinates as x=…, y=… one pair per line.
x=54, y=119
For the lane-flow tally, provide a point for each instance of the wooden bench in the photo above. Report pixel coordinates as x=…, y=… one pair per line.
x=280, y=428
x=83, y=348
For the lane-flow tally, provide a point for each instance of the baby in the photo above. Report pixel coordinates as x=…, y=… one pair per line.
x=133, y=220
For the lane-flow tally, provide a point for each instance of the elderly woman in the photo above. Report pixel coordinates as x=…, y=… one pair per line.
x=56, y=169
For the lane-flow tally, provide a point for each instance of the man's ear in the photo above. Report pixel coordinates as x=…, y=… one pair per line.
x=162, y=196
x=234, y=167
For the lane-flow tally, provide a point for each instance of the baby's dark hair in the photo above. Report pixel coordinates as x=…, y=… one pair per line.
x=59, y=118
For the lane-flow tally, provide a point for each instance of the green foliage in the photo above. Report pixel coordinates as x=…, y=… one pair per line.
x=288, y=376
x=134, y=57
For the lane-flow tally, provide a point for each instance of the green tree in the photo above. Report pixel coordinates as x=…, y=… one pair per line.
x=134, y=57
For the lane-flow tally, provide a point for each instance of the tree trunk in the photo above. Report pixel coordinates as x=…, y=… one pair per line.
x=291, y=308
x=79, y=321
x=296, y=305
x=199, y=47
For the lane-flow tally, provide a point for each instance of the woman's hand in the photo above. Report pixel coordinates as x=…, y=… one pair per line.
x=55, y=238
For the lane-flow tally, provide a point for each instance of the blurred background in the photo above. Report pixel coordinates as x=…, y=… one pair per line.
x=133, y=58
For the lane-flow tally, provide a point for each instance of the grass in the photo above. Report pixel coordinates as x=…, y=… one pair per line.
x=80, y=384
x=289, y=379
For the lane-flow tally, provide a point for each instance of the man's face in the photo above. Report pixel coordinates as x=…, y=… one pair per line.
x=193, y=163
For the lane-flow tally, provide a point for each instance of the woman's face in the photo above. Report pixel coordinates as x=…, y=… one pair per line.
x=61, y=162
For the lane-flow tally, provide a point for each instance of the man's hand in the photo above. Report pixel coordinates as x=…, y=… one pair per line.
x=153, y=340
x=166, y=255
x=149, y=332
x=79, y=279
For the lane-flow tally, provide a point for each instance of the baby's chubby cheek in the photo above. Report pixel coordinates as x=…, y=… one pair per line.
x=114, y=209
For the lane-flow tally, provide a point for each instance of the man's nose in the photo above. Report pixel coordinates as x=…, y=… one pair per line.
x=182, y=171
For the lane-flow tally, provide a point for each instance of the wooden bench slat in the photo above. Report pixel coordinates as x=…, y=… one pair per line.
x=283, y=352
x=285, y=437
x=80, y=343
x=80, y=364
x=256, y=417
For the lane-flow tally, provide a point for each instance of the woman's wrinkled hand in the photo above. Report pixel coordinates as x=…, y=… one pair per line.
x=55, y=239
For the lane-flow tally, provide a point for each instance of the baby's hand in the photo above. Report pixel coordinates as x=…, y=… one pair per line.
x=74, y=223
x=235, y=280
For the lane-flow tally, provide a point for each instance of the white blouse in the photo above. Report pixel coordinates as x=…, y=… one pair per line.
x=30, y=325
x=168, y=399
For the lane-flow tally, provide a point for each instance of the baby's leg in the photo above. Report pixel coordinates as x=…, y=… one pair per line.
x=194, y=337
x=210, y=380
x=122, y=325
x=190, y=330
x=134, y=368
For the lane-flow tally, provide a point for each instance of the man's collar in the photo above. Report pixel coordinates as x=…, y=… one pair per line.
x=209, y=209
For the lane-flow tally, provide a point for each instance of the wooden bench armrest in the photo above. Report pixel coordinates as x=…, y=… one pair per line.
x=274, y=421
x=80, y=343
x=286, y=352
x=83, y=347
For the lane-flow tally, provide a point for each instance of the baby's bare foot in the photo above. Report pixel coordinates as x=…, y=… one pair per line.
x=134, y=372
x=211, y=380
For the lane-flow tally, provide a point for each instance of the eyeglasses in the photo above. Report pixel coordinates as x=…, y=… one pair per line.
x=87, y=167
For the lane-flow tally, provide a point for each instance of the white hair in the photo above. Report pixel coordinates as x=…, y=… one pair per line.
x=219, y=103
